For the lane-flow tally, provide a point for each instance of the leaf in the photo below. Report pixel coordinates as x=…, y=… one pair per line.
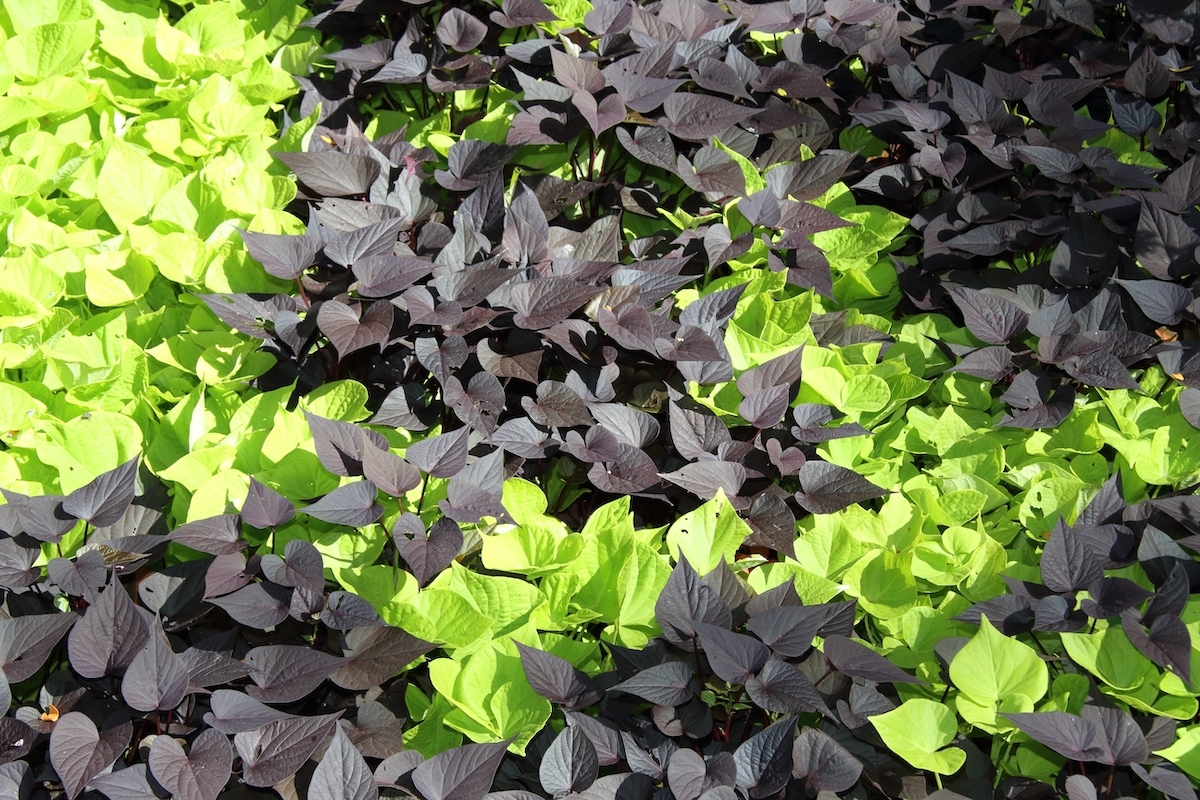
x=991, y=318
x=442, y=456
x=994, y=672
x=273, y=752
x=764, y=761
x=1168, y=642
x=789, y=629
x=557, y=679
x=332, y=174
x=666, y=684
x=734, y=657
x=463, y=773
x=106, y=640
x=460, y=31
x=214, y=535
x=199, y=774
x=103, y=501
x=376, y=654
x=353, y=504
x=80, y=752
x=1066, y=734
x=859, y=661
x=542, y=302
x=342, y=774
x=917, y=731
x=827, y=488
x=285, y=673
x=782, y=687
x=822, y=763
x=348, y=333
x=711, y=532
x=570, y=763
x=427, y=554
x=255, y=605
x=1164, y=243
x=1067, y=563
x=265, y=507
x=698, y=116
x=686, y=600
x=1161, y=301
x=157, y=679
x=284, y=256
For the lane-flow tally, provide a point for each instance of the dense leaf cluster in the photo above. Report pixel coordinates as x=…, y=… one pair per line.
x=681, y=399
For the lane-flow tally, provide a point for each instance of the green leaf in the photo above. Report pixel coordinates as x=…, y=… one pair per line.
x=995, y=673
x=345, y=401
x=87, y=446
x=917, y=730
x=130, y=183
x=52, y=49
x=443, y=616
x=883, y=582
x=709, y=533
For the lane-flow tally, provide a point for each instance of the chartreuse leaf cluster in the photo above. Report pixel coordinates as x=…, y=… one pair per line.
x=136, y=139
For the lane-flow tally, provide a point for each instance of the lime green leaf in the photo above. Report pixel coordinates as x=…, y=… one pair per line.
x=52, y=49
x=706, y=535
x=917, y=730
x=996, y=673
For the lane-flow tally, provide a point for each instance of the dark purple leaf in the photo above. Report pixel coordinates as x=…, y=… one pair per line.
x=557, y=679
x=199, y=774
x=822, y=763
x=460, y=31
x=342, y=774
x=782, y=687
x=686, y=600
x=442, y=456
x=1167, y=643
x=256, y=606
x=667, y=684
x=214, y=535
x=570, y=763
x=1066, y=734
x=353, y=504
x=427, y=554
x=1118, y=735
x=859, y=661
x=103, y=501
x=827, y=488
x=108, y=637
x=603, y=734
x=764, y=761
x=705, y=478
x=303, y=567
x=345, y=611
x=1165, y=777
x=463, y=773
x=332, y=174
x=157, y=680
x=733, y=657
x=235, y=712
x=990, y=317
x=1067, y=563
x=284, y=256
x=80, y=752
x=275, y=751
x=341, y=323
x=376, y=654
x=1164, y=243
x=285, y=673
x=265, y=507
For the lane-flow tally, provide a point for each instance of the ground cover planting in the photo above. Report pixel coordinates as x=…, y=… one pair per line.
x=605, y=400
